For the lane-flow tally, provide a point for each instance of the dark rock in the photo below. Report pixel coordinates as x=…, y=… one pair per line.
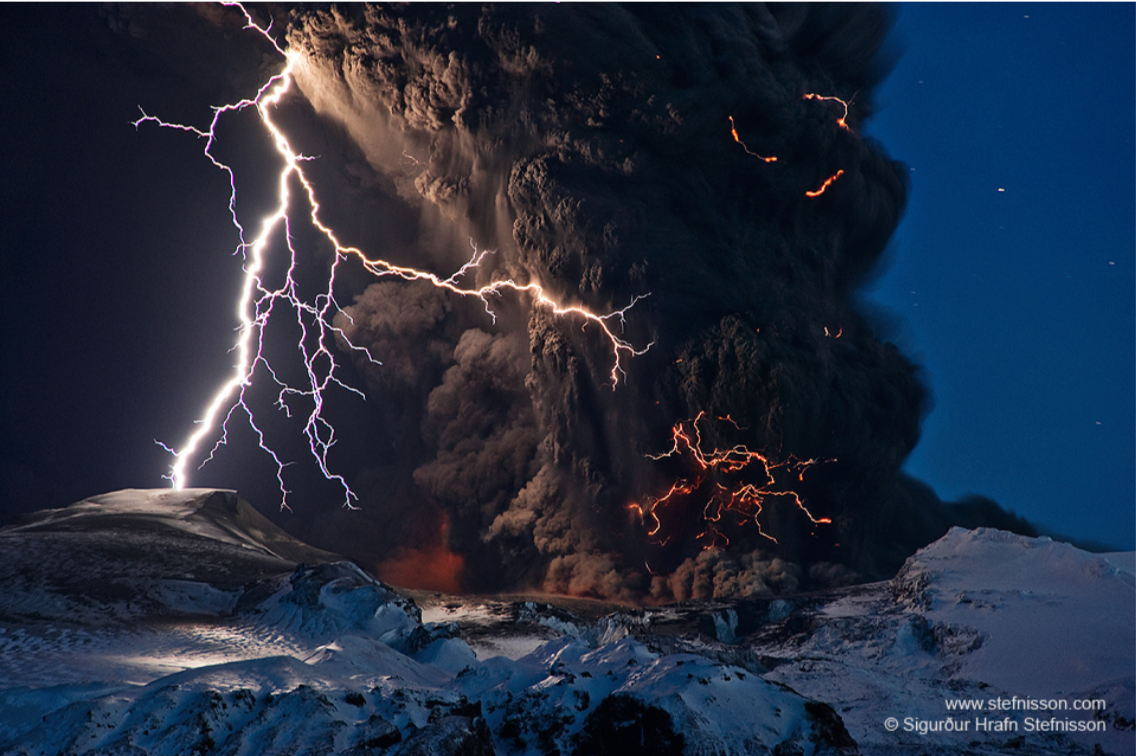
x=623, y=725
x=829, y=732
x=450, y=736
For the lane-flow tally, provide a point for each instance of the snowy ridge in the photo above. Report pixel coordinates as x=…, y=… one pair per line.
x=362, y=669
x=977, y=616
x=218, y=645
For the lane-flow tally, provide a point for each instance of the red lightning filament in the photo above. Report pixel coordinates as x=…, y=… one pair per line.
x=842, y=122
x=738, y=139
x=743, y=500
x=827, y=183
x=258, y=301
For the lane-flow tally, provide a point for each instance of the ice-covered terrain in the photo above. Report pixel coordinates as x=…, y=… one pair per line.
x=182, y=622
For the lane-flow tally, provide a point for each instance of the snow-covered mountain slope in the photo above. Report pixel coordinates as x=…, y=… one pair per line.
x=1040, y=635
x=180, y=623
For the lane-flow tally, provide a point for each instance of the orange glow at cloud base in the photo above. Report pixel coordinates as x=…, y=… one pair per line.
x=432, y=567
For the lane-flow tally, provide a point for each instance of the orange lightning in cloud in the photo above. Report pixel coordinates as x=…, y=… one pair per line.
x=745, y=500
x=738, y=139
x=258, y=302
x=827, y=183
x=842, y=122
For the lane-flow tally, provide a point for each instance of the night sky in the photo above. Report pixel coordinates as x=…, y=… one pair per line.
x=1011, y=277
x=1012, y=272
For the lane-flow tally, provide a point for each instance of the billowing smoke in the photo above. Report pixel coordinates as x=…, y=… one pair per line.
x=592, y=148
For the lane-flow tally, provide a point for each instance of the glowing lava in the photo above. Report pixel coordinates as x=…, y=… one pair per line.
x=258, y=301
x=734, y=482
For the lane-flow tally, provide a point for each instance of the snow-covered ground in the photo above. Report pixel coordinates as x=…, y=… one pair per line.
x=1028, y=629
x=170, y=622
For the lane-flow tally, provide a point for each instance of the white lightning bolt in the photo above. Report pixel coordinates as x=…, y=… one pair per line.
x=258, y=302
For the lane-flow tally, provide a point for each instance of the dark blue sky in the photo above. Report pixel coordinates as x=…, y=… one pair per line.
x=1012, y=272
x=1011, y=277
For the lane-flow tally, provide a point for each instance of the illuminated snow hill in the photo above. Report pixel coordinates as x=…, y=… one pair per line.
x=179, y=622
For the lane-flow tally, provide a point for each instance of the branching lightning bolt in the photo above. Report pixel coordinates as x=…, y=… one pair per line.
x=258, y=302
x=744, y=499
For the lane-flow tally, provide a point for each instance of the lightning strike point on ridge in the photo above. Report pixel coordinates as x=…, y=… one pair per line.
x=258, y=301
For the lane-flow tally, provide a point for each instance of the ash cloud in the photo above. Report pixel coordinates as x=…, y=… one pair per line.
x=590, y=147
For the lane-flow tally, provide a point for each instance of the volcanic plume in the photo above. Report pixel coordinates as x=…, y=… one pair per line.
x=709, y=158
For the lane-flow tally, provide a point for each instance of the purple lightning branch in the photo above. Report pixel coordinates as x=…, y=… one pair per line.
x=258, y=301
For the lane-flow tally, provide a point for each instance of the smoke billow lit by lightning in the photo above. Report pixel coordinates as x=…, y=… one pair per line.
x=521, y=404
x=260, y=303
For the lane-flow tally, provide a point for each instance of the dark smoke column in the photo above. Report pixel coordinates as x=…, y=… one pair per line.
x=591, y=147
